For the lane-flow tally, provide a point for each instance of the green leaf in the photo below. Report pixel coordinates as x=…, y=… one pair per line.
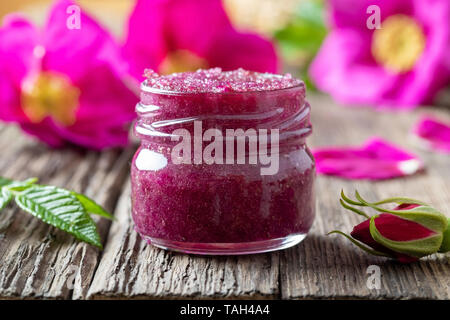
x=92, y=207
x=5, y=197
x=61, y=209
x=18, y=186
x=306, y=31
x=4, y=181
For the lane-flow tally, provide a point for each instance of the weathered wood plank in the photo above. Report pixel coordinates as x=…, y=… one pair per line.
x=321, y=267
x=331, y=267
x=131, y=268
x=39, y=261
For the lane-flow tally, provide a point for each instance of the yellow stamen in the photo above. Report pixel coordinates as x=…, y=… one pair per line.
x=399, y=43
x=50, y=95
x=182, y=60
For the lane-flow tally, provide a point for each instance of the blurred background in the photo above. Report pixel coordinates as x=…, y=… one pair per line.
x=296, y=25
x=387, y=55
x=111, y=13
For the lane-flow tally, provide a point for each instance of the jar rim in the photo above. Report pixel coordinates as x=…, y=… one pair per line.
x=147, y=89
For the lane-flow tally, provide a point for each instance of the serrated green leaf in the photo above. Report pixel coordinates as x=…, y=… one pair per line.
x=92, y=207
x=18, y=186
x=4, y=181
x=5, y=198
x=61, y=209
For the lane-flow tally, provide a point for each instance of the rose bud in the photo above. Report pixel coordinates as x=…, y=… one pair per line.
x=406, y=233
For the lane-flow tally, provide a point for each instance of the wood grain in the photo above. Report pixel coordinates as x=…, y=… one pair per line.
x=131, y=268
x=331, y=267
x=37, y=261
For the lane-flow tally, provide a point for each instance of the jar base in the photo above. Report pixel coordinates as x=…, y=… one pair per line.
x=240, y=248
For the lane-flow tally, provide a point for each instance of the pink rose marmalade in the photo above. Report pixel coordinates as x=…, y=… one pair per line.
x=227, y=207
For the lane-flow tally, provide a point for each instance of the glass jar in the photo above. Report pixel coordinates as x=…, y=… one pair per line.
x=183, y=202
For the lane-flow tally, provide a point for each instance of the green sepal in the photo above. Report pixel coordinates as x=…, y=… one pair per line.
x=357, y=211
x=445, y=246
x=363, y=203
x=350, y=201
x=424, y=215
x=400, y=200
x=415, y=248
x=360, y=245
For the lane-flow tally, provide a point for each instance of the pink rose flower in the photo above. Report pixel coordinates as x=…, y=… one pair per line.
x=181, y=35
x=64, y=85
x=401, y=65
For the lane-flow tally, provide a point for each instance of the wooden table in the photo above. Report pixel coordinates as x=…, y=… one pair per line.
x=38, y=261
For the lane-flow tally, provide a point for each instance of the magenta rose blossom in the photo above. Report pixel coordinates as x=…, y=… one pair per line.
x=181, y=35
x=64, y=85
x=402, y=64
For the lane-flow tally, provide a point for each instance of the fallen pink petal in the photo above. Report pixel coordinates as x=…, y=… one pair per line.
x=375, y=160
x=433, y=134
